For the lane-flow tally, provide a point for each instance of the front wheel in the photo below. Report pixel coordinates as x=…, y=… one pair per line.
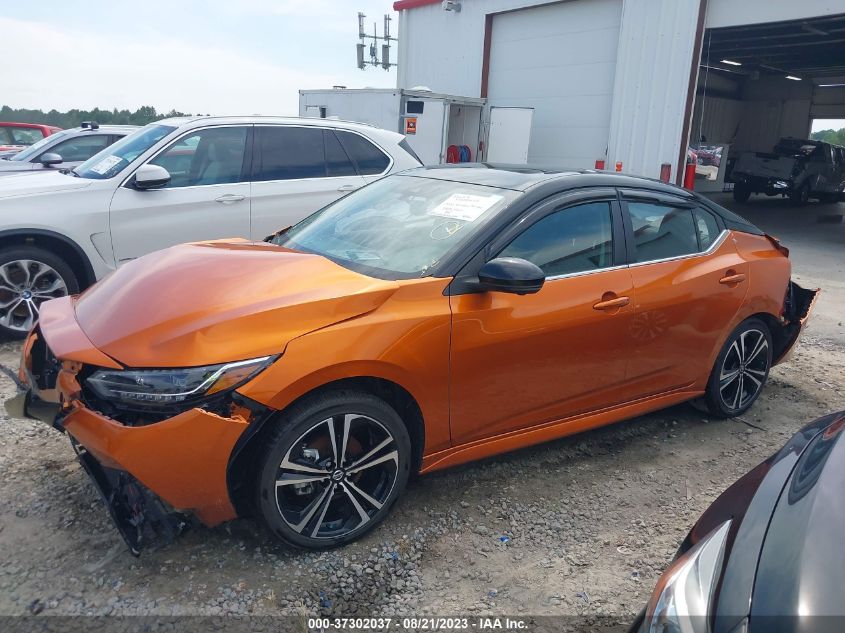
x=741, y=194
x=801, y=196
x=332, y=469
x=29, y=276
x=741, y=370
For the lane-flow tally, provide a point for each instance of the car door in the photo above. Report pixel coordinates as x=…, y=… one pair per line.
x=689, y=281
x=297, y=170
x=208, y=196
x=519, y=361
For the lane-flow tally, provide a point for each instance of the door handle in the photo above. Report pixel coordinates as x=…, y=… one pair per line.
x=612, y=304
x=347, y=188
x=732, y=278
x=229, y=198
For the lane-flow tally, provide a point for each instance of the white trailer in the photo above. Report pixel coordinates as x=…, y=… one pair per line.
x=431, y=122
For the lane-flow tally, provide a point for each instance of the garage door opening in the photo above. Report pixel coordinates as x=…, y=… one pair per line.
x=829, y=130
x=762, y=83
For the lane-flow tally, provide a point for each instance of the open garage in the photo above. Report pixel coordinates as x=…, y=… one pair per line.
x=760, y=83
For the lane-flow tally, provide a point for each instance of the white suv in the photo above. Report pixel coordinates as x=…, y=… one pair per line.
x=173, y=181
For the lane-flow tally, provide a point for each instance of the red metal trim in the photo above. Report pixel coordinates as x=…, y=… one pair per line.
x=400, y=5
x=485, y=55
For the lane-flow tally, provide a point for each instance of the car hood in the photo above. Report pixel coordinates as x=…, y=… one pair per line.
x=31, y=184
x=215, y=302
x=802, y=563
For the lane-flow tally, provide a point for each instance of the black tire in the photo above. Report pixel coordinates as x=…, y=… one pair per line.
x=801, y=196
x=301, y=450
x=740, y=371
x=741, y=194
x=38, y=278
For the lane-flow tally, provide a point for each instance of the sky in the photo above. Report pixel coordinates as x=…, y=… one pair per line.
x=195, y=56
x=827, y=124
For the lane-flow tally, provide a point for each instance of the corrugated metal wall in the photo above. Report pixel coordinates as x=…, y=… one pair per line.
x=444, y=50
x=652, y=76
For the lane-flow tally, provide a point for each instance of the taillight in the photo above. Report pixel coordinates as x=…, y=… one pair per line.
x=778, y=246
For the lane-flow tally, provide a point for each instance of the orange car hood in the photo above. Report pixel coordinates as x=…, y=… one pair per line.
x=214, y=302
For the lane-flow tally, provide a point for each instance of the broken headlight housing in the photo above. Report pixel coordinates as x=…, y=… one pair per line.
x=683, y=599
x=163, y=387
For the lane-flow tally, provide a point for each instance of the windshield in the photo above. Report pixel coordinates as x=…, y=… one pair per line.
x=33, y=149
x=115, y=158
x=399, y=227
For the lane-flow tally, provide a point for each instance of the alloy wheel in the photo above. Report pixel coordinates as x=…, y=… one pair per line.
x=337, y=476
x=24, y=285
x=744, y=369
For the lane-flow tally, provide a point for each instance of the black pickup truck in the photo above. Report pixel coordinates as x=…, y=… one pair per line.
x=800, y=169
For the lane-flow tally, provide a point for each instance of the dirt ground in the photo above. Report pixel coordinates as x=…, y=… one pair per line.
x=581, y=526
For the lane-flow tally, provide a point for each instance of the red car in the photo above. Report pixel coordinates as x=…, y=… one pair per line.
x=16, y=136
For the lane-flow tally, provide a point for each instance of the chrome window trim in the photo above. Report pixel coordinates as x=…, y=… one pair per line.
x=587, y=272
x=716, y=244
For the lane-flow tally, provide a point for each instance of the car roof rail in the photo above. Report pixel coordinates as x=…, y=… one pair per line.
x=91, y=125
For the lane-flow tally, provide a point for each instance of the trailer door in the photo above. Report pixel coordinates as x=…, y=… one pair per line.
x=510, y=135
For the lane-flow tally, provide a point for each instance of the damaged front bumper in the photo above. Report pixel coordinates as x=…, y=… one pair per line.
x=148, y=475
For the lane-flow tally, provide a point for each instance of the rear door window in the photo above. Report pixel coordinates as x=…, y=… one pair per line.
x=707, y=227
x=368, y=159
x=662, y=231
x=338, y=162
x=289, y=153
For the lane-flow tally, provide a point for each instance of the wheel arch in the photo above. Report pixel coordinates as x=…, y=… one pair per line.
x=242, y=467
x=56, y=243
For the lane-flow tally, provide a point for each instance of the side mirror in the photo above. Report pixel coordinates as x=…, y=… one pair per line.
x=151, y=177
x=49, y=159
x=511, y=274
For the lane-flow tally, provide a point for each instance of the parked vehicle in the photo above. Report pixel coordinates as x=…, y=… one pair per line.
x=767, y=555
x=173, y=181
x=432, y=318
x=800, y=169
x=16, y=136
x=64, y=149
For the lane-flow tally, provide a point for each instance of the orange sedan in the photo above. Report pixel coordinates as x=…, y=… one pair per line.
x=429, y=319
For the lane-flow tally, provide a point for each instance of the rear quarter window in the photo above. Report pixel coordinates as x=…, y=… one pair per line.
x=368, y=158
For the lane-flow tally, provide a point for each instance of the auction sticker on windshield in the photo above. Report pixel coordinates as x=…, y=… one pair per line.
x=106, y=164
x=464, y=206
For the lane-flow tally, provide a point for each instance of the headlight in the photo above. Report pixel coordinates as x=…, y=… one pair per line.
x=681, y=602
x=156, y=387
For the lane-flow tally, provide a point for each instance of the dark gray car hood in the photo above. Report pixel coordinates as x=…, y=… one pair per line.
x=802, y=564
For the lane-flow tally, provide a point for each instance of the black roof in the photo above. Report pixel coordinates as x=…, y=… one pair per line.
x=525, y=177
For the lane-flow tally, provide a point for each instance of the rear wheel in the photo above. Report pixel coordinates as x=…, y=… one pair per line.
x=741, y=194
x=741, y=370
x=29, y=276
x=800, y=196
x=333, y=468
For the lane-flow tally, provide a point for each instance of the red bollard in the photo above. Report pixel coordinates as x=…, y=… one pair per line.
x=665, y=172
x=689, y=176
x=619, y=166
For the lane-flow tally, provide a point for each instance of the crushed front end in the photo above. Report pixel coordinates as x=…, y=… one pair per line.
x=153, y=462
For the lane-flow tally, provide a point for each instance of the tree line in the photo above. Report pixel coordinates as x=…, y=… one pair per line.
x=836, y=137
x=72, y=118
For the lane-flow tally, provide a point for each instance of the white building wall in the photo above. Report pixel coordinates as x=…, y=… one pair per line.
x=444, y=50
x=653, y=67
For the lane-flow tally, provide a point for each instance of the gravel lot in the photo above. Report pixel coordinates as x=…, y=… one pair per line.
x=581, y=526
